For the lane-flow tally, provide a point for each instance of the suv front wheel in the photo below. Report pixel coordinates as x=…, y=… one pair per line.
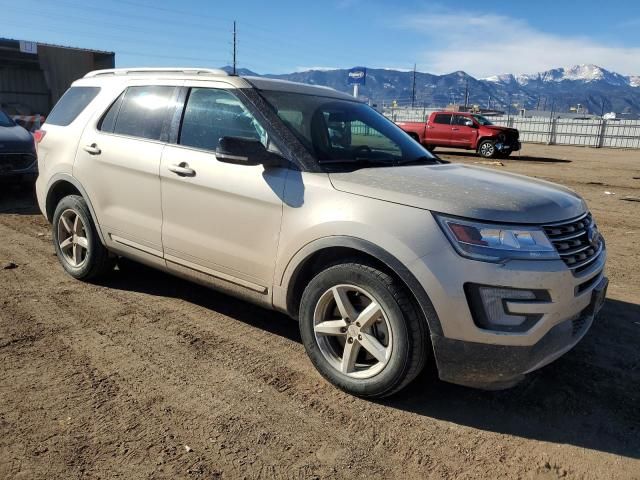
x=361, y=330
x=76, y=240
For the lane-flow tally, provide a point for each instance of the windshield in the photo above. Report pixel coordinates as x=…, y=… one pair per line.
x=482, y=120
x=5, y=121
x=341, y=131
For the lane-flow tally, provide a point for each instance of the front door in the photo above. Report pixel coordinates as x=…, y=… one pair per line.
x=463, y=133
x=439, y=129
x=220, y=219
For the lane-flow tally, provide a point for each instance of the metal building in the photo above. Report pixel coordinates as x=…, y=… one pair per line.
x=33, y=76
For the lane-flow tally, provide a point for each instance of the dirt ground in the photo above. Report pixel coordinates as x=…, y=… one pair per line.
x=147, y=376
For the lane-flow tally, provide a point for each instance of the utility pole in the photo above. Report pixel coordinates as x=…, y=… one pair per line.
x=413, y=87
x=466, y=95
x=234, y=47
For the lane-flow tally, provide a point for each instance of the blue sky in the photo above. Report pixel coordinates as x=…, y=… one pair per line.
x=481, y=38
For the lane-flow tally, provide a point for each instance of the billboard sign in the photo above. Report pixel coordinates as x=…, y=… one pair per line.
x=357, y=76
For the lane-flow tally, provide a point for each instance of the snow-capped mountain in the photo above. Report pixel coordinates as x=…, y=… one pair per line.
x=594, y=88
x=577, y=73
x=634, y=80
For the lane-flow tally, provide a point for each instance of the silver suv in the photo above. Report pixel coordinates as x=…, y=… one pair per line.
x=303, y=200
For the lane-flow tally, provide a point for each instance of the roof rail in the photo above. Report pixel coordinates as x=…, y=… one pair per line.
x=133, y=71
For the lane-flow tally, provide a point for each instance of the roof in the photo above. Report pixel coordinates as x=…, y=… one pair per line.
x=17, y=46
x=189, y=73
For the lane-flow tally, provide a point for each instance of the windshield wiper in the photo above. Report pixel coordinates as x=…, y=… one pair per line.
x=423, y=159
x=356, y=161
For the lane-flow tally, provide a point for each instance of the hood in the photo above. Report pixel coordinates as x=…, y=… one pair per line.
x=15, y=139
x=499, y=128
x=465, y=191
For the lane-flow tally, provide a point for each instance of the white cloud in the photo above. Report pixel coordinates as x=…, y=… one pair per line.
x=489, y=44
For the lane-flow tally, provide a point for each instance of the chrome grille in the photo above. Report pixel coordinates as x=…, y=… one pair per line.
x=577, y=241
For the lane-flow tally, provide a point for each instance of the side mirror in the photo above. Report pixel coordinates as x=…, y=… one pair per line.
x=469, y=123
x=246, y=151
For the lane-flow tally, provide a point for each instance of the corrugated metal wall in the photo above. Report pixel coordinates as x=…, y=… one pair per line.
x=36, y=81
x=24, y=86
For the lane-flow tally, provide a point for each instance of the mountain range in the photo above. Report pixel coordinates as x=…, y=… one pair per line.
x=594, y=88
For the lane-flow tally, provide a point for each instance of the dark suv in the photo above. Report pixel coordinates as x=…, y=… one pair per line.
x=17, y=152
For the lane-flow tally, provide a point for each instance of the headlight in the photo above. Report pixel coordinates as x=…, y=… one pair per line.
x=495, y=243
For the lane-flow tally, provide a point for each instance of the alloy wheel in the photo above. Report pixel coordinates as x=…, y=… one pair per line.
x=352, y=331
x=72, y=238
x=487, y=149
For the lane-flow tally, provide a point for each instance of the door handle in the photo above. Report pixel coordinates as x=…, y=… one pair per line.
x=455, y=129
x=429, y=126
x=182, y=170
x=92, y=149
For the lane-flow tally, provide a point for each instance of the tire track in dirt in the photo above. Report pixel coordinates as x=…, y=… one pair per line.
x=135, y=364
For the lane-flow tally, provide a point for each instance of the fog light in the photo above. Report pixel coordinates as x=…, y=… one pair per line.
x=489, y=309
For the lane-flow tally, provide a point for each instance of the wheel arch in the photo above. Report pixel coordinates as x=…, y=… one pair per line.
x=328, y=251
x=413, y=135
x=59, y=187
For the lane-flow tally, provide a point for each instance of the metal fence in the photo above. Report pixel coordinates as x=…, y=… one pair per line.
x=594, y=132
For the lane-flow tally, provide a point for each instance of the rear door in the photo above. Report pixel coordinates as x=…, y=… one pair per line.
x=439, y=129
x=118, y=163
x=462, y=135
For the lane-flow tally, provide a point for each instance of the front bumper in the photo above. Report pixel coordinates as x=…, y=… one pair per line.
x=495, y=367
x=469, y=354
x=508, y=146
x=11, y=173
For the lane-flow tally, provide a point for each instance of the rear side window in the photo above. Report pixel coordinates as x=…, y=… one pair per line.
x=442, y=118
x=139, y=112
x=108, y=122
x=72, y=103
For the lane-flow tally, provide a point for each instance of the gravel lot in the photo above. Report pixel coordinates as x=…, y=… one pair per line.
x=147, y=376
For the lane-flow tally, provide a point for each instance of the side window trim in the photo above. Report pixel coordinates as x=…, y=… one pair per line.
x=175, y=124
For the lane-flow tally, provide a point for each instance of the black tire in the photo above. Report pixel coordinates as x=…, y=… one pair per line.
x=96, y=260
x=431, y=148
x=410, y=346
x=487, y=149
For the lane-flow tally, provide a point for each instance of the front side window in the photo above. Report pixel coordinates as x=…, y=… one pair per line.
x=71, y=104
x=5, y=120
x=211, y=114
x=141, y=112
x=461, y=120
x=342, y=131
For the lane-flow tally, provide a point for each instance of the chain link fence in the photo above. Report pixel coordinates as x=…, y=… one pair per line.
x=592, y=132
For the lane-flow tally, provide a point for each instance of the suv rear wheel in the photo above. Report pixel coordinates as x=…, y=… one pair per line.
x=361, y=330
x=76, y=240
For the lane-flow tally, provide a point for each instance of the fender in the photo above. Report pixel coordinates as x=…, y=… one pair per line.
x=282, y=291
x=65, y=177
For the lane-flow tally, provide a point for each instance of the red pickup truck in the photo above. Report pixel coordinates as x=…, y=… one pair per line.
x=464, y=130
